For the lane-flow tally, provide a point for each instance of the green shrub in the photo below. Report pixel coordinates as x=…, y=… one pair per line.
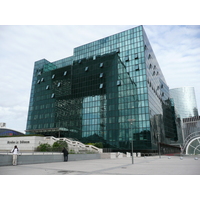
x=97, y=144
x=72, y=151
x=59, y=145
x=44, y=147
x=90, y=144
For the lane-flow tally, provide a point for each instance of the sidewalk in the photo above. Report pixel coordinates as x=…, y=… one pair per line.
x=166, y=165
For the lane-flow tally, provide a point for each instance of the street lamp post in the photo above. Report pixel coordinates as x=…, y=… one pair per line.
x=159, y=145
x=131, y=123
x=132, y=144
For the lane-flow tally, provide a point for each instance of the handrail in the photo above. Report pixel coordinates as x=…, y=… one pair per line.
x=189, y=138
x=78, y=143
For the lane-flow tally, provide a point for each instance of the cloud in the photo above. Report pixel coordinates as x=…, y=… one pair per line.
x=177, y=49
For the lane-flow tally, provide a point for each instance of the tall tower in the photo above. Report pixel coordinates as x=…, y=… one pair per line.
x=186, y=110
x=185, y=101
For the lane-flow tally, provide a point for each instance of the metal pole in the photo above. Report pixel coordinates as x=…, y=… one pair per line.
x=131, y=123
x=132, y=153
x=159, y=145
x=159, y=150
x=132, y=143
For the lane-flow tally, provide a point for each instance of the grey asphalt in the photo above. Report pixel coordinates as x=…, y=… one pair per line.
x=153, y=165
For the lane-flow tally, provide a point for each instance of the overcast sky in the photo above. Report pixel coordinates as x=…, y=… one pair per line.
x=177, y=49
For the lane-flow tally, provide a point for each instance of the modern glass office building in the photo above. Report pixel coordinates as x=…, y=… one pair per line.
x=186, y=111
x=111, y=91
x=185, y=101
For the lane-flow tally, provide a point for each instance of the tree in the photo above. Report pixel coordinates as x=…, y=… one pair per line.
x=44, y=147
x=59, y=145
x=97, y=144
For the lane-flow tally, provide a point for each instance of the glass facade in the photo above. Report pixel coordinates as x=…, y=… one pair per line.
x=185, y=101
x=9, y=132
x=93, y=95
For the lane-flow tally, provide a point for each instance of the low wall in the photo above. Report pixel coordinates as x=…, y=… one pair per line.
x=75, y=157
x=35, y=158
x=31, y=159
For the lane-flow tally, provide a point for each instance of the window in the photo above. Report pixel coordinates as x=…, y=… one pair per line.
x=47, y=87
x=94, y=57
x=101, y=86
x=118, y=83
x=154, y=73
x=59, y=84
x=149, y=56
x=136, y=67
x=86, y=69
x=101, y=65
x=117, y=50
x=53, y=95
x=126, y=59
x=136, y=56
x=79, y=62
x=65, y=73
x=39, y=73
x=101, y=75
x=42, y=80
x=38, y=82
x=150, y=66
x=53, y=76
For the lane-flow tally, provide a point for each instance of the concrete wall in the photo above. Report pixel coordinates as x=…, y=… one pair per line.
x=28, y=143
x=31, y=159
x=28, y=158
x=75, y=157
x=6, y=159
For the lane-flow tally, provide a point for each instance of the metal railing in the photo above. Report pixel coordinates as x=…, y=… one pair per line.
x=78, y=144
x=188, y=139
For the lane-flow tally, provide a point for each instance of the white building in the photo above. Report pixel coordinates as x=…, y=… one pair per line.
x=30, y=144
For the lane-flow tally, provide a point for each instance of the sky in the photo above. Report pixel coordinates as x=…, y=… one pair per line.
x=177, y=49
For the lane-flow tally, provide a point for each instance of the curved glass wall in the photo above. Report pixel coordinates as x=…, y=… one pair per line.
x=185, y=101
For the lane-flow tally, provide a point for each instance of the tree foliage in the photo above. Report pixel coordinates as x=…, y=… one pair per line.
x=97, y=144
x=59, y=145
x=44, y=147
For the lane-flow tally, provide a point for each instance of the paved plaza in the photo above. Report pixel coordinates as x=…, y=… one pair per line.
x=173, y=165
